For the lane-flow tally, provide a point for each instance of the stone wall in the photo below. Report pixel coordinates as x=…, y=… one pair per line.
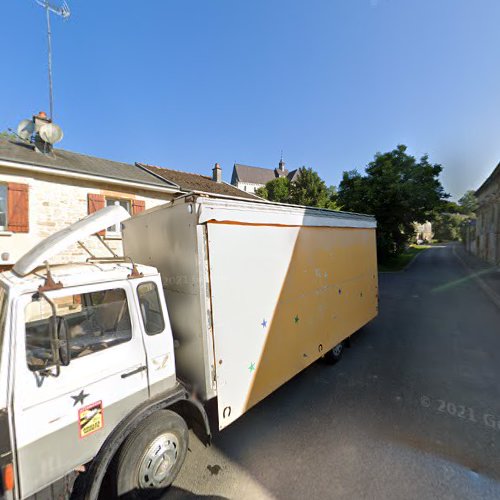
x=487, y=230
x=54, y=203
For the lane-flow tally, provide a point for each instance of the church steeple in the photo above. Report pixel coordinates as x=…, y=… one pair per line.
x=282, y=163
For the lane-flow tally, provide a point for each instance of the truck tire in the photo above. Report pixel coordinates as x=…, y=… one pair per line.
x=152, y=456
x=334, y=355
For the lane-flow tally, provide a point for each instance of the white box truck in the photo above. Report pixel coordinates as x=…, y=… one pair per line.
x=104, y=365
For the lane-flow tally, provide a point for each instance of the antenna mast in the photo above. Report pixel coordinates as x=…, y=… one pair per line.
x=63, y=12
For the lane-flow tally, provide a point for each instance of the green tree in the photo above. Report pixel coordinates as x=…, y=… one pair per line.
x=276, y=190
x=448, y=226
x=398, y=190
x=469, y=202
x=309, y=189
x=449, y=219
x=333, y=199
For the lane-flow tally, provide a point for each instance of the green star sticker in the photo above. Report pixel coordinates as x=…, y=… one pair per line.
x=251, y=367
x=296, y=319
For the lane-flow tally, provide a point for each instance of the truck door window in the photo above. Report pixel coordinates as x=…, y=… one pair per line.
x=96, y=321
x=152, y=315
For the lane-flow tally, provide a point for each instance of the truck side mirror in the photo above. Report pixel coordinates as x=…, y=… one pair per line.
x=63, y=341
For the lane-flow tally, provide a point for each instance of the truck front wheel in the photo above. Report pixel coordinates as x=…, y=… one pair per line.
x=152, y=456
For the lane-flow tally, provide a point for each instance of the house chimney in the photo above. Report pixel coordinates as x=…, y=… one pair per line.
x=39, y=120
x=217, y=173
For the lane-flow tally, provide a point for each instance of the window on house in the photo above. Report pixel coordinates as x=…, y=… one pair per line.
x=95, y=321
x=3, y=207
x=116, y=229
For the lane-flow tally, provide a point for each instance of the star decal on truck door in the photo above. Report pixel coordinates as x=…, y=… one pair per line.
x=79, y=398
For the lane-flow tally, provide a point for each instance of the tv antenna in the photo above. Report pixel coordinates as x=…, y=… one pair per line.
x=64, y=12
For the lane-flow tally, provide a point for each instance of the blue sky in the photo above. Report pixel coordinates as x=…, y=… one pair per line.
x=183, y=84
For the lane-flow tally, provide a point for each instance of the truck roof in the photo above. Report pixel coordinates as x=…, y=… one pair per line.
x=227, y=209
x=75, y=274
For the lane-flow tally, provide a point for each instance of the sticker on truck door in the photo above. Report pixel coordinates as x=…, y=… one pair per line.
x=90, y=419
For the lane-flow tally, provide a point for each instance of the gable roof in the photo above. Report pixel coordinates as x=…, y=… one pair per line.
x=67, y=161
x=196, y=182
x=495, y=174
x=255, y=175
x=292, y=176
x=259, y=175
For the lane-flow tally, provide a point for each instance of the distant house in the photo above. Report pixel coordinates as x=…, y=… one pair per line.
x=483, y=237
x=423, y=232
x=249, y=178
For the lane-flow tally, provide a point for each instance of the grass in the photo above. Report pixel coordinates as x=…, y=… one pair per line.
x=399, y=262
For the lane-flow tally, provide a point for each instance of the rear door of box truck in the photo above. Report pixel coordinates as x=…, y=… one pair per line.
x=281, y=296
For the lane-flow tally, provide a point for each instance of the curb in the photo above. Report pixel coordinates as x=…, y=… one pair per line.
x=492, y=295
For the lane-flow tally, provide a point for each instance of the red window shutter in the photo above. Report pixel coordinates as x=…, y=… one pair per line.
x=138, y=206
x=95, y=203
x=18, y=208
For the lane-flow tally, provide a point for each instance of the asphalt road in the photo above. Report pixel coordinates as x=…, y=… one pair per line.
x=412, y=410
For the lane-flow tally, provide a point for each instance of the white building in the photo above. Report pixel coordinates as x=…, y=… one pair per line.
x=249, y=178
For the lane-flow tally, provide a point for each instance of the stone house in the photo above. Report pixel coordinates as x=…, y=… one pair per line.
x=249, y=178
x=483, y=237
x=42, y=193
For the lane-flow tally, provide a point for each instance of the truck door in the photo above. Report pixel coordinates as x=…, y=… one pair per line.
x=62, y=421
x=158, y=338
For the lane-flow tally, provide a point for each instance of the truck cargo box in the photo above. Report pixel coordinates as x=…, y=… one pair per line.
x=256, y=291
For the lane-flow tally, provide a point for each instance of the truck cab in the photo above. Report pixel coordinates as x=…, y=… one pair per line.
x=86, y=350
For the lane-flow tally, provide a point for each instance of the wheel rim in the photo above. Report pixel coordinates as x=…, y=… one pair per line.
x=337, y=350
x=158, y=461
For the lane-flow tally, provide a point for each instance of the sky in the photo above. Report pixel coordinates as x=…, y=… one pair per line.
x=187, y=83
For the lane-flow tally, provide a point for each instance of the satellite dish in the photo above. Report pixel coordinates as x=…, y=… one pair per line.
x=51, y=133
x=25, y=129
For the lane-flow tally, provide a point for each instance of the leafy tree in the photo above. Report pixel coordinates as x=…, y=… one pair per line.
x=398, y=190
x=449, y=207
x=262, y=192
x=276, y=190
x=448, y=226
x=309, y=189
x=333, y=199
x=468, y=202
x=449, y=218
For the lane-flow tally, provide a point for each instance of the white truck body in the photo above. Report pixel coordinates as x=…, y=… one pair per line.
x=253, y=293
x=237, y=273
